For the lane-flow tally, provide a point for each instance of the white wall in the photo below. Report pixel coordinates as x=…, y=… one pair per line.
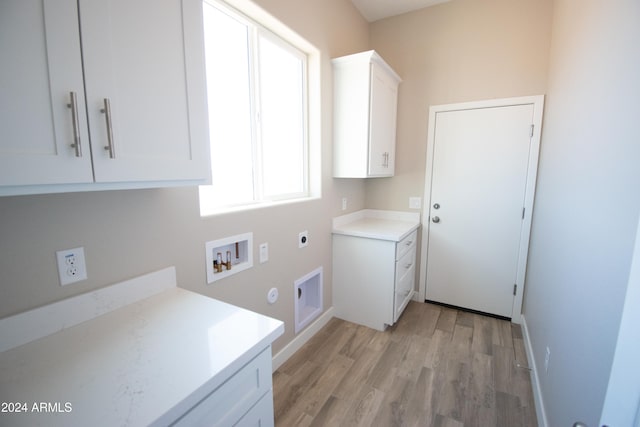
x=458, y=51
x=587, y=203
x=622, y=402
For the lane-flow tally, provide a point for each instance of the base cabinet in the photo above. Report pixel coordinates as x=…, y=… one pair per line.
x=373, y=279
x=142, y=352
x=261, y=415
x=245, y=399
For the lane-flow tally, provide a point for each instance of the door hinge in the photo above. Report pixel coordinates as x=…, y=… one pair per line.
x=523, y=209
x=531, y=132
x=515, y=288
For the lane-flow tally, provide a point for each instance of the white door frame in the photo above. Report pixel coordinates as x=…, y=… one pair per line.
x=532, y=170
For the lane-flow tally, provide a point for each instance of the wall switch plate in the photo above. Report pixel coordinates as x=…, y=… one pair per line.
x=303, y=239
x=71, y=266
x=415, y=202
x=264, y=252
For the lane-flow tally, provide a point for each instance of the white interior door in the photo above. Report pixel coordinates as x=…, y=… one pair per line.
x=477, y=196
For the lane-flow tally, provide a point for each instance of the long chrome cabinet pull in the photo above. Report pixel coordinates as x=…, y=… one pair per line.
x=73, y=104
x=107, y=115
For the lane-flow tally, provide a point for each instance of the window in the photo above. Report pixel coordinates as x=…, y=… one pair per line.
x=257, y=97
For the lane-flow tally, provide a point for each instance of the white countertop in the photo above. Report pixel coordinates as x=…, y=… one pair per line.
x=143, y=363
x=377, y=224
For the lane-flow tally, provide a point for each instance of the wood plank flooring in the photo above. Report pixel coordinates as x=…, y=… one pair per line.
x=436, y=367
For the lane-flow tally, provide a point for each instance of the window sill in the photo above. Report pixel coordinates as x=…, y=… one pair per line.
x=254, y=206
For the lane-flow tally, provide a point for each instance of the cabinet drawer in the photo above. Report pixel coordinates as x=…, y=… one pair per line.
x=404, y=285
x=406, y=244
x=229, y=402
x=406, y=263
x=403, y=291
x=261, y=415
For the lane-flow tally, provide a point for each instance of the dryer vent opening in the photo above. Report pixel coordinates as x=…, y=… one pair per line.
x=308, y=298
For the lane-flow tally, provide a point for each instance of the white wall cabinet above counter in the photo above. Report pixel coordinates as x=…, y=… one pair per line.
x=95, y=95
x=365, y=96
x=138, y=353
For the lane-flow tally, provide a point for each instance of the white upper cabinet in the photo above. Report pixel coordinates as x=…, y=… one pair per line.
x=135, y=71
x=41, y=67
x=365, y=108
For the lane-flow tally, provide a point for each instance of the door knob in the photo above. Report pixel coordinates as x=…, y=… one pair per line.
x=436, y=219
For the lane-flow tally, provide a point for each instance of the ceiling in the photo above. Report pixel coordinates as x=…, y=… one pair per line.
x=374, y=10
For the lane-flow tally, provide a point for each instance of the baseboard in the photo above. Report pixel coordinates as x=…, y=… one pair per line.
x=535, y=383
x=416, y=297
x=300, y=339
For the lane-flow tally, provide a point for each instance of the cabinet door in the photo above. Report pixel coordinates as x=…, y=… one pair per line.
x=235, y=397
x=146, y=59
x=261, y=415
x=405, y=279
x=382, y=122
x=41, y=66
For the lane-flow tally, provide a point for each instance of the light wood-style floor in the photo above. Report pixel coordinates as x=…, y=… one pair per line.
x=435, y=367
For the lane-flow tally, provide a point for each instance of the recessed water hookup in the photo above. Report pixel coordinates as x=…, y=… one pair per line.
x=228, y=256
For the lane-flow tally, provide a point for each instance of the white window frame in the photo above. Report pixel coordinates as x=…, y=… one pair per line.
x=255, y=33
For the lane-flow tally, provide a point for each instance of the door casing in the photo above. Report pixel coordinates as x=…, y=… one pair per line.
x=538, y=104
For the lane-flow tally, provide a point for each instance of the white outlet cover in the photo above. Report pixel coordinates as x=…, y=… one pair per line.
x=72, y=267
x=303, y=239
x=272, y=295
x=415, y=202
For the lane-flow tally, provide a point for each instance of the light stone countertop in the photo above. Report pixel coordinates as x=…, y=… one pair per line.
x=377, y=224
x=145, y=363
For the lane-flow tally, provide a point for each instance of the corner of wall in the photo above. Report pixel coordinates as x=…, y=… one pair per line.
x=535, y=382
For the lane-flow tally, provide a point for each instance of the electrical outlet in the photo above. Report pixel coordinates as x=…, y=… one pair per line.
x=546, y=360
x=303, y=239
x=71, y=266
x=415, y=202
x=272, y=295
x=344, y=203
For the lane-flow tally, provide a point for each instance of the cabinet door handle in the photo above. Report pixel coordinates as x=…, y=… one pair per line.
x=107, y=116
x=73, y=105
x=385, y=159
